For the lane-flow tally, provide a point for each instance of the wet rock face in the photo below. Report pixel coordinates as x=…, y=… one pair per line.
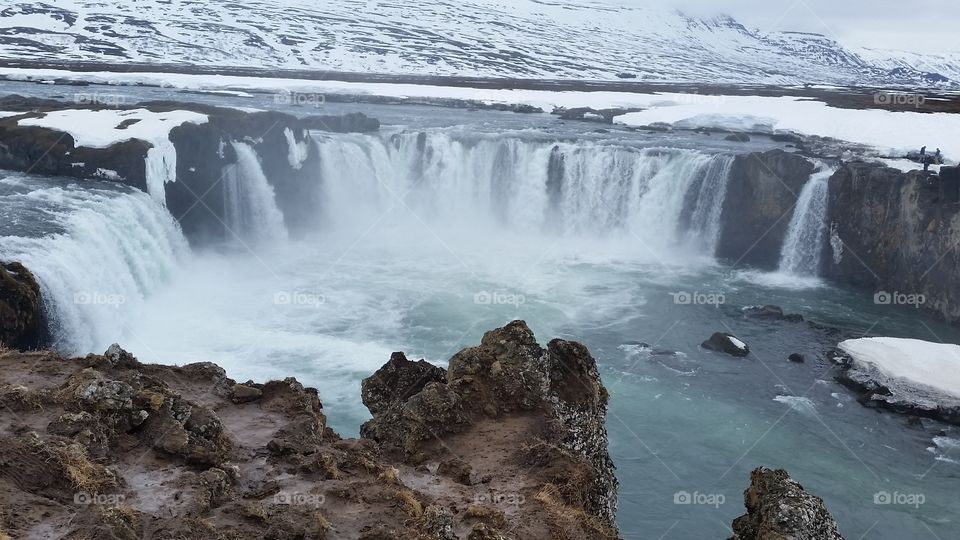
x=761, y=193
x=894, y=234
x=53, y=153
x=22, y=324
x=197, y=199
x=509, y=375
x=203, y=150
x=778, y=508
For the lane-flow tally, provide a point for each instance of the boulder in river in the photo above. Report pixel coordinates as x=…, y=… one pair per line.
x=770, y=312
x=726, y=343
x=778, y=508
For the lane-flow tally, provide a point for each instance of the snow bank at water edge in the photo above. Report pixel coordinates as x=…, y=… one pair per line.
x=104, y=128
x=887, y=131
x=936, y=365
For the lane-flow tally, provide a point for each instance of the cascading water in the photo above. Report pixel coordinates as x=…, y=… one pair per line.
x=803, y=245
x=524, y=185
x=705, y=224
x=296, y=150
x=251, y=212
x=97, y=250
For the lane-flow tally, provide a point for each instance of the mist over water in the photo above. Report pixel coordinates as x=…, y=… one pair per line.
x=425, y=241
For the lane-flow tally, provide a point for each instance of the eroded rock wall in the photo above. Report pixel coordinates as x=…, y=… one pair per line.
x=761, y=194
x=895, y=235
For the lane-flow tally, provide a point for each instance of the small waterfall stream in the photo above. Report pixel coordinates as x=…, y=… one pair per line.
x=250, y=202
x=803, y=245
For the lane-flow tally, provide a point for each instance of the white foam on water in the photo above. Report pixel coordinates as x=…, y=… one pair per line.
x=800, y=404
x=779, y=280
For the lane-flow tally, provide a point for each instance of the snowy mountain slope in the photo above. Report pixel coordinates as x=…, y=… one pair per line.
x=574, y=39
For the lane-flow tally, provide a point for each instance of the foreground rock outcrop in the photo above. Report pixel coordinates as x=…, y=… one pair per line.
x=507, y=444
x=22, y=324
x=778, y=508
x=549, y=405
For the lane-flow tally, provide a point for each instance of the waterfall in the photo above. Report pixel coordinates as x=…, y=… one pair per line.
x=251, y=212
x=97, y=253
x=705, y=225
x=804, y=242
x=521, y=184
x=297, y=152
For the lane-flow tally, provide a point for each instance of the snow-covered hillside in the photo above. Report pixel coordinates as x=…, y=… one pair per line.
x=575, y=39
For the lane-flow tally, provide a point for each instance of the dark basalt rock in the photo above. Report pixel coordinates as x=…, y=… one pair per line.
x=778, y=508
x=197, y=199
x=587, y=114
x=22, y=322
x=737, y=137
x=203, y=150
x=723, y=342
x=761, y=194
x=797, y=358
x=54, y=153
x=895, y=232
x=770, y=312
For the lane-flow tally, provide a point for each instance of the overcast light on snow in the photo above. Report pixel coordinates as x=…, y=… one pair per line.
x=928, y=26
